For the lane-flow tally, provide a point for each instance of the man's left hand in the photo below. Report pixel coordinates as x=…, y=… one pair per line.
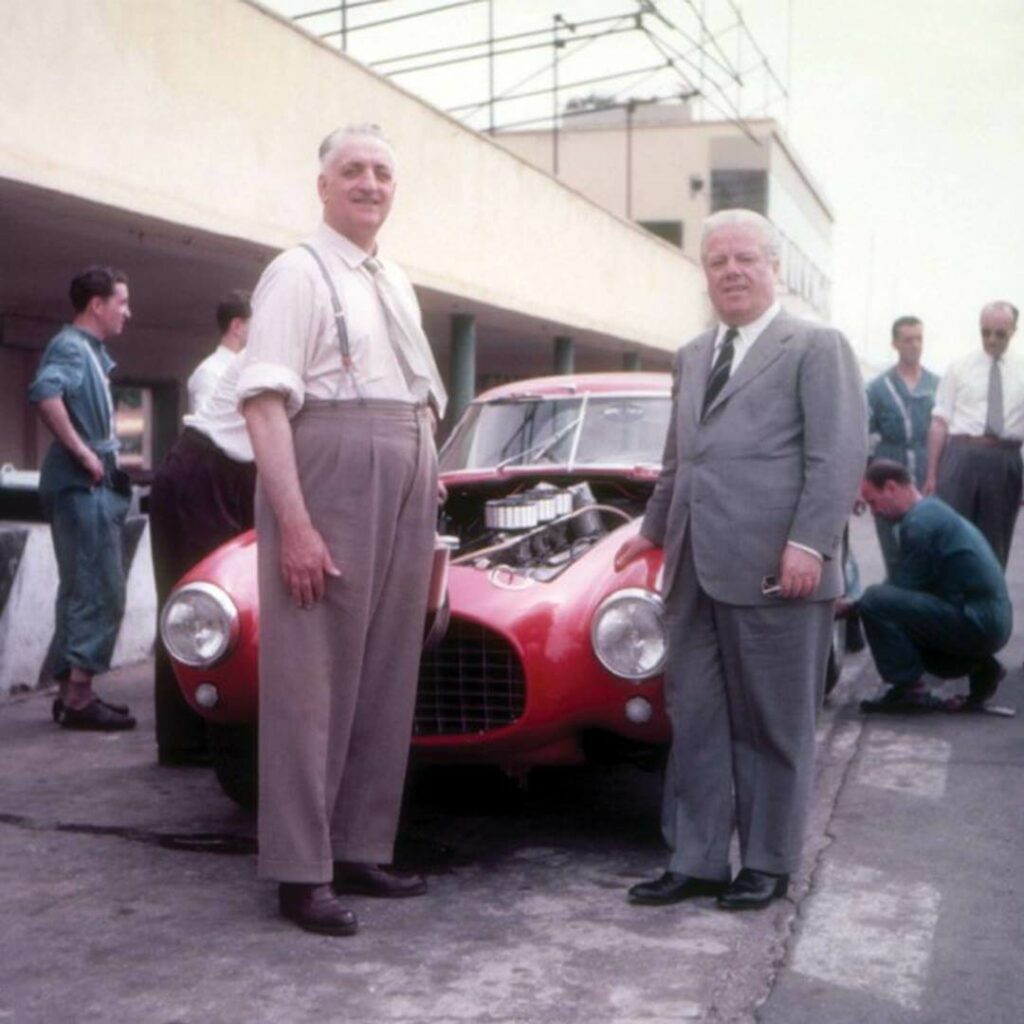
x=799, y=573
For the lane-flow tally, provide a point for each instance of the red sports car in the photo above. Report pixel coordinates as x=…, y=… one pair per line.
x=545, y=653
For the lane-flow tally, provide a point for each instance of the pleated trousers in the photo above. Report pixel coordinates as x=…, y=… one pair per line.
x=338, y=680
x=743, y=686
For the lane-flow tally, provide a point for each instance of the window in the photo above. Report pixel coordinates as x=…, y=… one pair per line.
x=746, y=189
x=670, y=230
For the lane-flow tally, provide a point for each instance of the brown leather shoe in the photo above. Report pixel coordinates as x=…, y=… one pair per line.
x=315, y=908
x=373, y=880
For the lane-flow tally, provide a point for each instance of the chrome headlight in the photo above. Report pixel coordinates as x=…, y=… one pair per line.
x=199, y=624
x=628, y=633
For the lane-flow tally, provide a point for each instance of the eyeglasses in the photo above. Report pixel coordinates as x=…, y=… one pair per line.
x=987, y=332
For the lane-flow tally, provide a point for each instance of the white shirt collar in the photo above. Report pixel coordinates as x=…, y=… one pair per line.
x=342, y=247
x=749, y=333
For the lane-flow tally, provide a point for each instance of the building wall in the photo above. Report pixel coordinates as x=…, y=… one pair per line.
x=208, y=115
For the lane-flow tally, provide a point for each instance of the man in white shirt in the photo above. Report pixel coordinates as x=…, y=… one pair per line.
x=233, y=313
x=202, y=497
x=974, y=441
x=340, y=393
x=762, y=461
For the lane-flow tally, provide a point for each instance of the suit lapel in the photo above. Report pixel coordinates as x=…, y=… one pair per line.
x=700, y=365
x=762, y=354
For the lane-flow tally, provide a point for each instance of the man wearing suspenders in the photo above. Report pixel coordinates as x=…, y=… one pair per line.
x=85, y=497
x=340, y=394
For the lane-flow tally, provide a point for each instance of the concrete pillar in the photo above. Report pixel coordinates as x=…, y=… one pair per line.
x=631, y=361
x=565, y=355
x=462, y=378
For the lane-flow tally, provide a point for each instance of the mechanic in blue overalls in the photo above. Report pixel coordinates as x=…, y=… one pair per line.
x=900, y=411
x=85, y=496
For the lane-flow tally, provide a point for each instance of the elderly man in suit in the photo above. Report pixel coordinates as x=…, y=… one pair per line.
x=763, y=458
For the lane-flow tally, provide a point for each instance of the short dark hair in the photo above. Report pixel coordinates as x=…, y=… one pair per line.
x=881, y=471
x=94, y=282
x=236, y=303
x=904, y=321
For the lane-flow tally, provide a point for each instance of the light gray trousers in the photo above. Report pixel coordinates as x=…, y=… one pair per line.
x=338, y=680
x=743, y=686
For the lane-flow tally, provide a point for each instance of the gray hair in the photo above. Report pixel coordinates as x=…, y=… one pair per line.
x=1002, y=306
x=335, y=138
x=742, y=218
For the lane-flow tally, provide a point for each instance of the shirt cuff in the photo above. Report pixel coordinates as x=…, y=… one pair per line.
x=40, y=390
x=259, y=377
x=803, y=547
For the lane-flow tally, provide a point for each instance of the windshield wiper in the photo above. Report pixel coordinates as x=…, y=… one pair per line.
x=543, y=447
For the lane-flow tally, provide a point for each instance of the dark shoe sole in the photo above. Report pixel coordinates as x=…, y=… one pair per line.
x=337, y=930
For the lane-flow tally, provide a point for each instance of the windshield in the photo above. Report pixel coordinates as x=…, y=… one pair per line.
x=594, y=430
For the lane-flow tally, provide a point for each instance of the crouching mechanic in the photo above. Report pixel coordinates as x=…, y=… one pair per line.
x=945, y=609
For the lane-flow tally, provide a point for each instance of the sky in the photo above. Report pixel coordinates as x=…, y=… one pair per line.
x=907, y=113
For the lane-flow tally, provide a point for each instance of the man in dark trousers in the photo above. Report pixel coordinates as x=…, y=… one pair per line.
x=974, y=442
x=945, y=608
x=85, y=496
x=340, y=393
x=202, y=496
x=764, y=453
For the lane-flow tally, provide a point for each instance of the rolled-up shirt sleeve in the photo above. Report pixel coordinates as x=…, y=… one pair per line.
x=281, y=333
x=62, y=370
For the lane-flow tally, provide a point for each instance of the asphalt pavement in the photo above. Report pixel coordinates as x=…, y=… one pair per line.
x=128, y=891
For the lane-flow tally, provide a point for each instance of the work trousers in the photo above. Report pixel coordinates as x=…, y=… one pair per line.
x=910, y=633
x=983, y=483
x=200, y=499
x=338, y=680
x=743, y=686
x=87, y=526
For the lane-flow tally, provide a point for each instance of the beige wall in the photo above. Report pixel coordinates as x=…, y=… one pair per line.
x=207, y=114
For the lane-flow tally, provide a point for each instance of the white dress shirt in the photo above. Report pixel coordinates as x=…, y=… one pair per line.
x=293, y=343
x=746, y=336
x=219, y=418
x=205, y=376
x=962, y=396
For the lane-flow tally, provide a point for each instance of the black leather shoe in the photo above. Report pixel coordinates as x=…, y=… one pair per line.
x=371, y=880
x=95, y=716
x=751, y=890
x=58, y=707
x=315, y=908
x=985, y=681
x=673, y=887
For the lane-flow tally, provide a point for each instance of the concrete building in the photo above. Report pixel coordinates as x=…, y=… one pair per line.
x=653, y=165
x=178, y=141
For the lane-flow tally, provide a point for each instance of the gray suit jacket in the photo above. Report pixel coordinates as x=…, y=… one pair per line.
x=778, y=457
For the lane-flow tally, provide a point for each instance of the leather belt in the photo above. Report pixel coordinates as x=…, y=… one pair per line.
x=985, y=441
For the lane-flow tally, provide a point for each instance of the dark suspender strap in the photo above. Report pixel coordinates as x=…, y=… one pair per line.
x=339, y=316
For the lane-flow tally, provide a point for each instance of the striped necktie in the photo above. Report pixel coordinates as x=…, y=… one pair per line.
x=720, y=371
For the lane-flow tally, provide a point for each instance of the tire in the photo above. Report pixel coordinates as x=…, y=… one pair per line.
x=836, y=656
x=235, y=762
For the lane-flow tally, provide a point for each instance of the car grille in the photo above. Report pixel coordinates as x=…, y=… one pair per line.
x=471, y=682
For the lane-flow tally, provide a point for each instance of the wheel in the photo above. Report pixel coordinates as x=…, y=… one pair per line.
x=235, y=762
x=836, y=655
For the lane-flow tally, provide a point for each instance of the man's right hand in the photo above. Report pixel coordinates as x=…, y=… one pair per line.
x=304, y=561
x=632, y=548
x=928, y=487
x=93, y=465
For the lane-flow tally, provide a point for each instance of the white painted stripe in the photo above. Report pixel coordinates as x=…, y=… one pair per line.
x=908, y=763
x=864, y=930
